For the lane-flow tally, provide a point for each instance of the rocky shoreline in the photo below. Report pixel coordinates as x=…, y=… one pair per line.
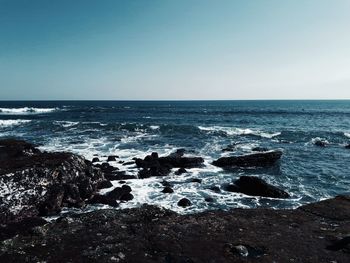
x=35, y=184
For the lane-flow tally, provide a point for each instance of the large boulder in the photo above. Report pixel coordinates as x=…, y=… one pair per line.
x=254, y=186
x=260, y=159
x=35, y=183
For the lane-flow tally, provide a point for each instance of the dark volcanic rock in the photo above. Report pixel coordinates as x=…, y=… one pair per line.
x=95, y=160
x=184, y=202
x=150, y=234
x=320, y=143
x=167, y=190
x=112, y=158
x=215, y=189
x=347, y=146
x=174, y=160
x=180, y=171
x=40, y=182
x=260, y=159
x=119, y=193
x=254, y=186
x=196, y=180
x=104, y=184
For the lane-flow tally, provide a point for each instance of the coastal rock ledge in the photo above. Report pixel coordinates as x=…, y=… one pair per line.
x=35, y=183
x=313, y=233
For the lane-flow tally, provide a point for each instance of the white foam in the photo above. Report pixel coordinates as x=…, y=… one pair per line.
x=154, y=127
x=66, y=124
x=9, y=123
x=347, y=134
x=26, y=110
x=232, y=131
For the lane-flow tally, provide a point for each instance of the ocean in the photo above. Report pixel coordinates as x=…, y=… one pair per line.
x=204, y=128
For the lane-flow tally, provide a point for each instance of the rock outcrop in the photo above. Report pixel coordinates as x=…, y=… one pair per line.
x=254, y=186
x=153, y=165
x=35, y=183
x=260, y=159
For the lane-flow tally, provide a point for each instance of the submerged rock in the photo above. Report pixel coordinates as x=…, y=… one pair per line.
x=41, y=183
x=260, y=159
x=254, y=186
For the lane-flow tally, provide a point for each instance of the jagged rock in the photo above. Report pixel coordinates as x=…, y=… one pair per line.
x=184, y=202
x=104, y=184
x=320, y=143
x=112, y=158
x=254, y=186
x=152, y=165
x=95, y=160
x=41, y=182
x=180, y=171
x=167, y=190
x=119, y=193
x=250, y=160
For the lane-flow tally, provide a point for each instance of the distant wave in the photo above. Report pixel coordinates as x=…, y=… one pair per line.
x=238, y=131
x=9, y=123
x=26, y=110
x=65, y=124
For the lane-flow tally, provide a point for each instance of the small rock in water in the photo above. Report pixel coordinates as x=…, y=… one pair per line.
x=95, y=160
x=347, y=146
x=209, y=199
x=196, y=180
x=112, y=158
x=215, y=189
x=167, y=190
x=181, y=171
x=320, y=143
x=184, y=202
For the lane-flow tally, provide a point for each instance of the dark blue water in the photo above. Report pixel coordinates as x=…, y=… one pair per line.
x=133, y=129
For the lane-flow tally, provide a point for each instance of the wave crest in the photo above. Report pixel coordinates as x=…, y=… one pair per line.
x=26, y=110
x=9, y=123
x=231, y=131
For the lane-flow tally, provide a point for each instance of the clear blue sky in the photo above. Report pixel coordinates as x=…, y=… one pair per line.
x=174, y=49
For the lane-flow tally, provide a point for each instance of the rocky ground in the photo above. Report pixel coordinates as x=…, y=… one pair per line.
x=313, y=233
x=35, y=184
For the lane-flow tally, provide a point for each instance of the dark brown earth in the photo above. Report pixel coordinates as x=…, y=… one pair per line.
x=313, y=233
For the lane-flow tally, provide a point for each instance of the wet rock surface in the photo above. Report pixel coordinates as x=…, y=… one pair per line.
x=35, y=183
x=259, y=159
x=153, y=165
x=151, y=234
x=254, y=186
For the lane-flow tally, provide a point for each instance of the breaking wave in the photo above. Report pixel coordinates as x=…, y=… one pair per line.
x=26, y=110
x=231, y=131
